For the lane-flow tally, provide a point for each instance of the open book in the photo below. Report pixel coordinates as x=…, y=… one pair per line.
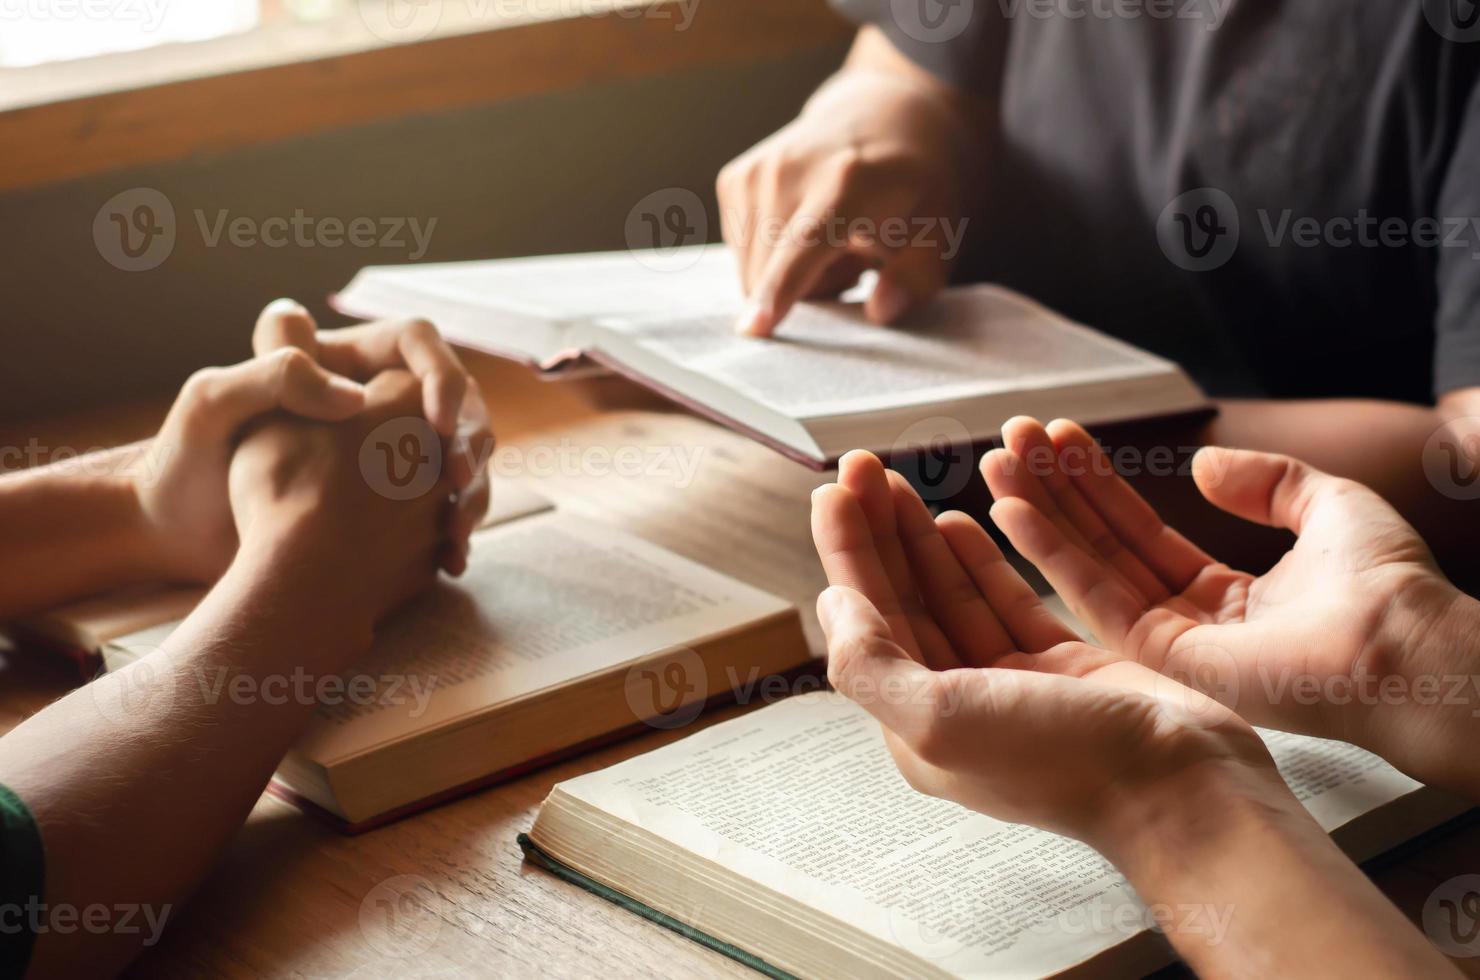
x=562, y=634
x=80, y=630
x=787, y=839
x=828, y=383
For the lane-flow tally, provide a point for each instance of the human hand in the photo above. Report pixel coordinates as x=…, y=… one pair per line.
x=1355, y=634
x=848, y=186
x=305, y=511
x=985, y=697
x=451, y=399
x=180, y=476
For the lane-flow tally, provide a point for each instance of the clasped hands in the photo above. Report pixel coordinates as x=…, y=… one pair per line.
x=264, y=459
x=1009, y=712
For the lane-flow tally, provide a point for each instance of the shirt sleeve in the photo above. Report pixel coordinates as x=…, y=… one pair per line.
x=1457, y=324
x=22, y=877
x=955, y=40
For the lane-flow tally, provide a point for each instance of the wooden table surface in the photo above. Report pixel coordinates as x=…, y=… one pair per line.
x=446, y=892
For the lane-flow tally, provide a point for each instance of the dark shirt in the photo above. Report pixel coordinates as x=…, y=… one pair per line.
x=1283, y=196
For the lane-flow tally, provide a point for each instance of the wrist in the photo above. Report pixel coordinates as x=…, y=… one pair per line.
x=297, y=574
x=1150, y=831
x=1423, y=709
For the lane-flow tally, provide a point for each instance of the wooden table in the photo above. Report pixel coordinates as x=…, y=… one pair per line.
x=446, y=892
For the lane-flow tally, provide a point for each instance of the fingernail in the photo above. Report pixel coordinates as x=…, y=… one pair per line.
x=284, y=305
x=752, y=322
x=889, y=301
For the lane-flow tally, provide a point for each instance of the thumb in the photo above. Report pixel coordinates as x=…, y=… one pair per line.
x=1265, y=488
x=285, y=323
x=859, y=641
x=910, y=280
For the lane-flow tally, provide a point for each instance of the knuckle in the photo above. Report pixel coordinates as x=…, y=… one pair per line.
x=422, y=330
x=291, y=367
x=202, y=386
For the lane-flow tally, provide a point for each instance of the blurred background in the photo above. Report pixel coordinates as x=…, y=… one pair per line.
x=172, y=165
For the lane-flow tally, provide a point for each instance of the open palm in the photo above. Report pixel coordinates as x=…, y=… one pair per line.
x=985, y=696
x=1298, y=647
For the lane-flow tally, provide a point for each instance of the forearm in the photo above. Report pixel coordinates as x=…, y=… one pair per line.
x=1251, y=886
x=70, y=530
x=878, y=75
x=139, y=779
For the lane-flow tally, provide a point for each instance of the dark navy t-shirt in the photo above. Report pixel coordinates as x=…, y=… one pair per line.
x=1283, y=196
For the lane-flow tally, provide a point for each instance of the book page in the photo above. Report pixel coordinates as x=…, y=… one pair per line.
x=545, y=600
x=828, y=360
x=471, y=301
x=803, y=798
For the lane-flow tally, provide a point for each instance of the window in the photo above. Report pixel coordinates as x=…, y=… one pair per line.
x=34, y=32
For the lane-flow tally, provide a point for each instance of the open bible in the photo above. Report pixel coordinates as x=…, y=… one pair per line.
x=828, y=383
x=786, y=838
x=562, y=634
